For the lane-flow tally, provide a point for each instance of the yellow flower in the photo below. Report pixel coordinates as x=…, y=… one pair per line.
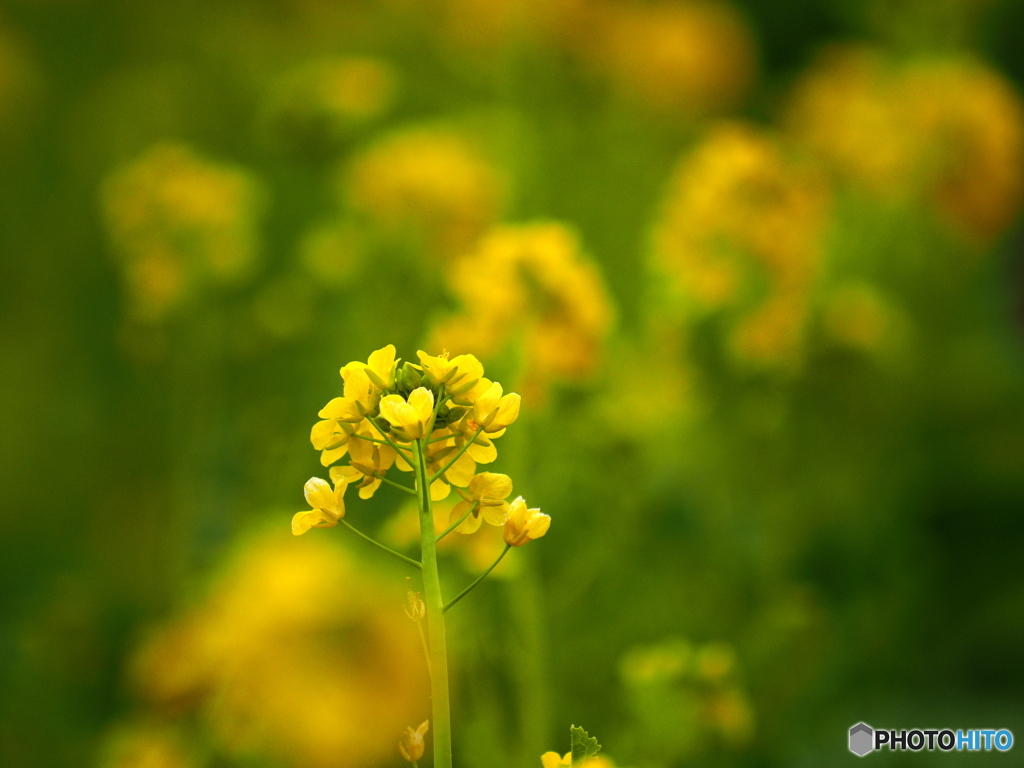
x=379, y=369
x=267, y=664
x=178, y=222
x=411, y=743
x=439, y=453
x=690, y=57
x=331, y=436
x=487, y=491
x=553, y=759
x=328, y=505
x=431, y=185
x=369, y=461
x=524, y=524
x=409, y=417
x=459, y=375
x=529, y=288
x=742, y=235
x=945, y=131
x=492, y=411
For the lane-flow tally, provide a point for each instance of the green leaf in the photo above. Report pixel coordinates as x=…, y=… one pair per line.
x=584, y=746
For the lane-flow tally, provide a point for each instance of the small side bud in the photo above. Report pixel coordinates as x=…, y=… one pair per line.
x=410, y=746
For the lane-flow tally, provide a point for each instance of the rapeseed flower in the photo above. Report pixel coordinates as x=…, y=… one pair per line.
x=523, y=525
x=529, y=288
x=430, y=185
x=179, y=222
x=741, y=236
x=485, y=496
x=947, y=132
x=268, y=664
x=328, y=505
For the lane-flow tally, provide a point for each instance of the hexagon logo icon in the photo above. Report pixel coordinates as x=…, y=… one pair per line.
x=862, y=739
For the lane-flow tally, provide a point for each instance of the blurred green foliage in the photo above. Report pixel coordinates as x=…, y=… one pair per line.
x=786, y=485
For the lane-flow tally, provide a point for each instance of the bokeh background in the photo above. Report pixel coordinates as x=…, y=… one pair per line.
x=756, y=269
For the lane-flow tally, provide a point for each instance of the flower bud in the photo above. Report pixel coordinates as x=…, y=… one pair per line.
x=411, y=744
x=523, y=525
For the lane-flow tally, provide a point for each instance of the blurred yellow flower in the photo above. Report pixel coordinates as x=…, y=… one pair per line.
x=178, y=221
x=523, y=525
x=411, y=744
x=945, y=131
x=328, y=505
x=553, y=759
x=486, y=496
x=297, y=653
x=742, y=229
x=529, y=287
x=427, y=184
x=689, y=57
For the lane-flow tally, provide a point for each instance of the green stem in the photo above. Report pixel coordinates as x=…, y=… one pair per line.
x=393, y=484
x=479, y=578
x=434, y=603
x=455, y=458
x=377, y=544
x=456, y=524
x=390, y=442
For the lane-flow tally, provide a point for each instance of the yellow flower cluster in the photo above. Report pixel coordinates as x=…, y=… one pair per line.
x=286, y=658
x=948, y=131
x=530, y=286
x=741, y=231
x=427, y=184
x=680, y=57
x=445, y=404
x=178, y=221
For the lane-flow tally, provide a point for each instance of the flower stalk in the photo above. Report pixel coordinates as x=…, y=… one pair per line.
x=427, y=419
x=434, y=603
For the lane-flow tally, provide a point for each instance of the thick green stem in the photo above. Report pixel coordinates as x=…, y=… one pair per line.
x=434, y=602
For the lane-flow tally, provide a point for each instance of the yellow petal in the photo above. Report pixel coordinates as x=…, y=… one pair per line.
x=461, y=472
x=382, y=363
x=421, y=400
x=314, y=518
x=538, y=524
x=439, y=490
x=495, y=514
x=490, y=485
x=551, y=760
x=342, y=409
x=367, y=491
x=483, y=450
x=318, y=493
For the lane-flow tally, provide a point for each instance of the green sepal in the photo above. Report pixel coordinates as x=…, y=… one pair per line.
x=583, y=745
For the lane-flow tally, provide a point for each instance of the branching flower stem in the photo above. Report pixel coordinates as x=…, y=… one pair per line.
x=455, y=458
x=479, y=578
x=434, y=603
x=459, y=522
x=377, y=544
x=393, y=484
